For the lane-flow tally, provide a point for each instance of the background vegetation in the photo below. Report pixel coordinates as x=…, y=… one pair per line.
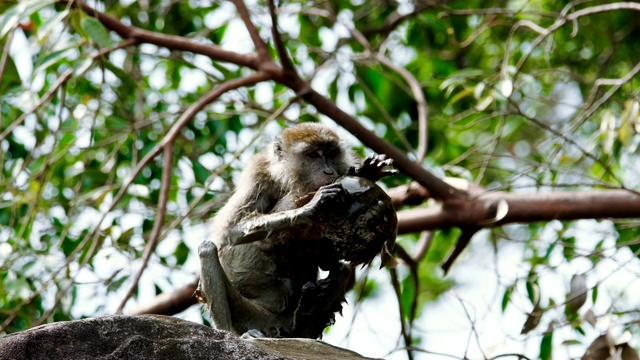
x=120, y=134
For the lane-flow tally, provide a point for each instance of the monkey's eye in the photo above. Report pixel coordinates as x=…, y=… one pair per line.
x=313, y=154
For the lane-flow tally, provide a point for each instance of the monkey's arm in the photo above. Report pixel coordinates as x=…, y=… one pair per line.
x=259, y=227
x=373, y=168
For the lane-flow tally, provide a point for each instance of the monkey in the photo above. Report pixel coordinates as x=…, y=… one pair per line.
x=259, y=269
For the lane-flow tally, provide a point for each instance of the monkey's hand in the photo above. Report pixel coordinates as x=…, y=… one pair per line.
x=321, y=197
x=373, y=168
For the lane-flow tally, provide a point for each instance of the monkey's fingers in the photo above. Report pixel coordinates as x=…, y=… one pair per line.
x=388, y=172
x=331, y=186
x=382, y=162
x=324, y=194
x=374, y=159
x=386, y=162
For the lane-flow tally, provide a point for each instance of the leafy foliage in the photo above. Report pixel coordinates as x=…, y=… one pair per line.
x=521, y=97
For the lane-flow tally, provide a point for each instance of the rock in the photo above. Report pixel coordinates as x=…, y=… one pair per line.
x=154, y=337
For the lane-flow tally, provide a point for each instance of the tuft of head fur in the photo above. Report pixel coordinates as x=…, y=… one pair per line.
x=313, y=134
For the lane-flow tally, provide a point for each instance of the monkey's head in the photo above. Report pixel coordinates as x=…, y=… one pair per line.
x=308, y=156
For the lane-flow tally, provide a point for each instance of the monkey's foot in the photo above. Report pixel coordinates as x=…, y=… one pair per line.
x=199, y=293
x=319, y=302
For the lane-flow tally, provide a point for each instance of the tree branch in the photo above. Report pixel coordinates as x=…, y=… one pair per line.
x=169, y=303
x=261, y=46
x=286, y=62
x=395, y=19
x=436, y=186
x=167, y=168
x=523, y=208
x=416, y=90
x=172, y=42
x=269, y=71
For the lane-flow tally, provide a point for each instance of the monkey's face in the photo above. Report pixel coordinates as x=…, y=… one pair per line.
x=309, y=156
x=317, y=165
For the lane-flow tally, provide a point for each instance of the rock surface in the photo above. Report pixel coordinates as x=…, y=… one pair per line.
x=154, y=337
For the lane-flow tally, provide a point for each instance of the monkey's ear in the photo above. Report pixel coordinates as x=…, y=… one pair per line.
x=277, y=147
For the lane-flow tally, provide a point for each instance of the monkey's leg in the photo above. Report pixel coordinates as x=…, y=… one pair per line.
x=319, y=302
x=213, y=286
x=229, y=310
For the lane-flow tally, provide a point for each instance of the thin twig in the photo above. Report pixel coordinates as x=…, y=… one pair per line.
x=473, y=326
x=414, y=85
x=5, y=55
x=261, y=46
x=424, y=243
x=167, y=168
x=52, y=90
x=286, y=62
x=497, y=11
x=571, y=17
x=405, y=334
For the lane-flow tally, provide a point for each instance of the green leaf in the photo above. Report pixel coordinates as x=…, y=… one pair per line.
x=200, y=172
x=120, y=74
x=54, y=57
x=577, y=294
x=181, y=253
x=10, y=78
x=97, y=32
x=47, y=27
x=22, y=10
x=533, y=292
x=569, y=247
x=407, y=296
x=546, y=346
x=77, y=17
x=506, y=297
x=368, y=288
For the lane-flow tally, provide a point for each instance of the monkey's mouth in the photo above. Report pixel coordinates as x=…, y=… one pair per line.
x=331, y=180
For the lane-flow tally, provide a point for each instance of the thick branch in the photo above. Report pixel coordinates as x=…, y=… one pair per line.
x=561, y=205
x=169, y=303
x=436, y=186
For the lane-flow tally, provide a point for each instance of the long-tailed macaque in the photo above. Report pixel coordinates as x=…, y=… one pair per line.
x=259, y=269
